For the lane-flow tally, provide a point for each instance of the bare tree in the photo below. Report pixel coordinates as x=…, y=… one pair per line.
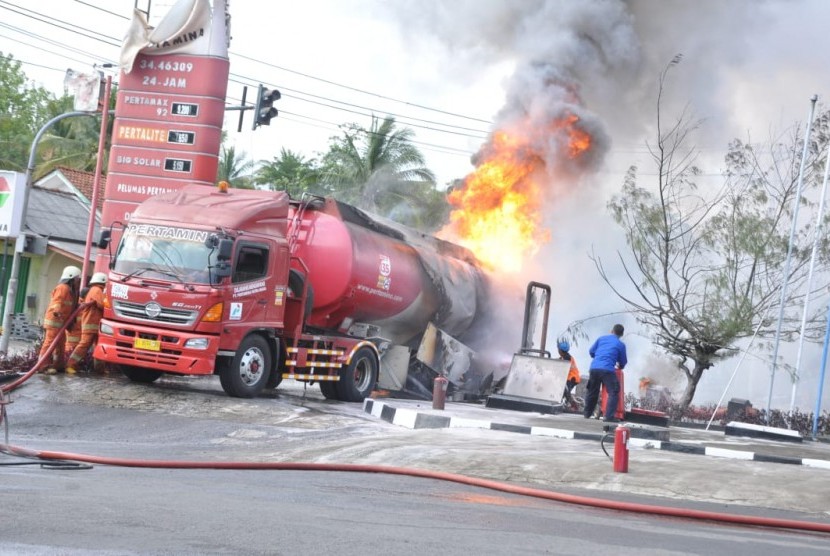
x=704, y=269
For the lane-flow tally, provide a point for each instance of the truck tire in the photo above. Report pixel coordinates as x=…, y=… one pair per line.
x=137, y=374
x=274, y=380
x=248, y=372
x=329, y=389
x=358, y=378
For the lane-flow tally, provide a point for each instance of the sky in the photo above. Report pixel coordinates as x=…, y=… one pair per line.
x=455, y=70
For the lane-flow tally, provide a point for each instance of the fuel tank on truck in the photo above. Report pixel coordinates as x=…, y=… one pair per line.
x=364, y=269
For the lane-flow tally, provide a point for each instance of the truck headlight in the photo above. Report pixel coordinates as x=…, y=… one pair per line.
x=196, y=343
x=105, y=329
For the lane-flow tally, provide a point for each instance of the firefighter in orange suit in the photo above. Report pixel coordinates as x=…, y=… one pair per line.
x=90, y=318
x=573, y=372
x=64, y=301
x=73, y=333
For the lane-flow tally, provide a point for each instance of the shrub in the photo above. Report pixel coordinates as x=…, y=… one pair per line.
x=793, y=420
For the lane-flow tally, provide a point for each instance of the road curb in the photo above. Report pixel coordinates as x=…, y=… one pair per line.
x=412, y=419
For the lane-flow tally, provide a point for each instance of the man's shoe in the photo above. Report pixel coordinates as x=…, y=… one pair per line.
x=70, y=371
x=50, y=371
x=612, y=420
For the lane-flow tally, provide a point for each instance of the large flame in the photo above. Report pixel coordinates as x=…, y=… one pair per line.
x=497, y=210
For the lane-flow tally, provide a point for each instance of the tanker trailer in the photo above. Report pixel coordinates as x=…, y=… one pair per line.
x=371, y=276
x=366, y=269
x=255, y=287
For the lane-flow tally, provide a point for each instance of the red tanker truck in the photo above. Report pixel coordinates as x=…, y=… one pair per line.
x=257, y=287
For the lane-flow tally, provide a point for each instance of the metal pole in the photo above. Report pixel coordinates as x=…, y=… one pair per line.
x=12, y=287
x=96, y=181
x=786, y=277
x=738, y=366
x=3, y=270
x=821, y=375
x=818, y=232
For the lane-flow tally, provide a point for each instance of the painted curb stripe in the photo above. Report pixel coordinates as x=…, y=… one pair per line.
x=412, y=419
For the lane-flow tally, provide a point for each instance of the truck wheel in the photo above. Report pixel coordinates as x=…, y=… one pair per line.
x=274, y=380
x=329, y=389
x=248, y=372
x=137, y=374
x=358, y=378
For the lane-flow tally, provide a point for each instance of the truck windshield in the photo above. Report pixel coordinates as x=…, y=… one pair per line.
x=165, y=252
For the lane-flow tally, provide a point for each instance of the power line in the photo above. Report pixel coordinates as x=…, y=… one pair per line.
x=78, y=29
x=338, y=127
x=40, y=66
x=397, y=116
x=282, y=88
x=402, y=118
x=327, y=81
x=100, y=9
x=41, y=48
x=355, y=89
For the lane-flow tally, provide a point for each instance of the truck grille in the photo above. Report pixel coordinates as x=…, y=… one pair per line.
x=135, y=311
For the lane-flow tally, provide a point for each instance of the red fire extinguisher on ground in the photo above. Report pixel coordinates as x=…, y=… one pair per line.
x=439, y=392
x=621, y=436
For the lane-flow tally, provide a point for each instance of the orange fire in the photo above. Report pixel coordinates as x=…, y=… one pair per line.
x=497, y=211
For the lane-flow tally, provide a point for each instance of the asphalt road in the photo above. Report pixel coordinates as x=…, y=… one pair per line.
x=118, y=510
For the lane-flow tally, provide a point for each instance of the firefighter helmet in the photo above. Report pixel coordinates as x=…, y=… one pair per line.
x=98, y=278
x=70, y=272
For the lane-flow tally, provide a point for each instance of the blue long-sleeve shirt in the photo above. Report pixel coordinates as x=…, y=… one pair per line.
x=608, y=352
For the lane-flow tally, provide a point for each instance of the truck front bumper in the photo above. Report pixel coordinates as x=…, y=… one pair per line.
x=161, y=350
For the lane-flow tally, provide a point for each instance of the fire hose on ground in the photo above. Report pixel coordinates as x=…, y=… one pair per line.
x=64, y=460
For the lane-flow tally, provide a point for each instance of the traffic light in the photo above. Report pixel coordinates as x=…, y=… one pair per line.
x=264, y=109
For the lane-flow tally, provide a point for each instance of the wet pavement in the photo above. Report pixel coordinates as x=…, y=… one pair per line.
x=191, y=418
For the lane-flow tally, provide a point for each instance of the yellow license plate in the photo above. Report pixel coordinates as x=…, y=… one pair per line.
x=151, y=345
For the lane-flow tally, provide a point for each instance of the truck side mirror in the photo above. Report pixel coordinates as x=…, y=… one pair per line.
x=104, y=237
x=225, y=250
x=222, y=270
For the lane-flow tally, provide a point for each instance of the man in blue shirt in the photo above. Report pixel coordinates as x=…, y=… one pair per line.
x=608, y=354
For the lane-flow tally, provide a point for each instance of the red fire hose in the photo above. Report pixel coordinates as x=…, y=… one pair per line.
x=63, y=459
x=437, y=475
x=41, y=360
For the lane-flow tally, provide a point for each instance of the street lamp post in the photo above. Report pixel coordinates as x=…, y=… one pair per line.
x=11, y=290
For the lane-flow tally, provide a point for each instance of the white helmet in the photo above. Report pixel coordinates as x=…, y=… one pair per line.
x=98, y=278
x=70, y=272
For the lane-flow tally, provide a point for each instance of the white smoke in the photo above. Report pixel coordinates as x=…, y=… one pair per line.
x=748, y=67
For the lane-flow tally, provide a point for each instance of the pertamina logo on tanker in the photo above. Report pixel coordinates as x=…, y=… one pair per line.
x=385, y=272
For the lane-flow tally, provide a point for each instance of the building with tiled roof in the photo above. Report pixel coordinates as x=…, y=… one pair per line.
x=56, y=225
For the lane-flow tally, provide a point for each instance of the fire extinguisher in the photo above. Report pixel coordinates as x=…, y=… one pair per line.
x=621, y=436
x=439, y=392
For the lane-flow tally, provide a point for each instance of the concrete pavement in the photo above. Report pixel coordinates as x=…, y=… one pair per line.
x=686, y=439
x=192, y=418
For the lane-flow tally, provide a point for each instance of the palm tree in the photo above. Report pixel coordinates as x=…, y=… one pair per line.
x=235, y=169
x=362, y=165
x=72, y=142
x=290, y=171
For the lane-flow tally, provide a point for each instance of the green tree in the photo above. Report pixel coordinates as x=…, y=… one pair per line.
x=705, y=271
x=290, y=172
x=376, y=168
x=73, y=142
x=23, y=109
x=235, y=168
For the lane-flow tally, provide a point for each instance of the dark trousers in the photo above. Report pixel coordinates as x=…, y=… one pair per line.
x=599, y=378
